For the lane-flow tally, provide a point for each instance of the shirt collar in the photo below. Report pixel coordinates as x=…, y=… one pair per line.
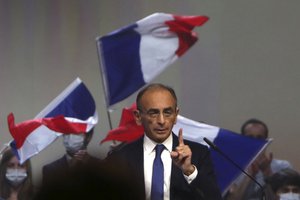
x=149, y=144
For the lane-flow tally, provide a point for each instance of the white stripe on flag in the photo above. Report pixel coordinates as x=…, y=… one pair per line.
x=36, y=142
x=195, y=131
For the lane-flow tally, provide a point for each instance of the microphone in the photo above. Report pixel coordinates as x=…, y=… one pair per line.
x=214, y=147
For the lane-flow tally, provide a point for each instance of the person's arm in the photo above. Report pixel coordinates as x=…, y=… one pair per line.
x=237, y=191
x=204, y=184
x=192, y=176
x=182, y=156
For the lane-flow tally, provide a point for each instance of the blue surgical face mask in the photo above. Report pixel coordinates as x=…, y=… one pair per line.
x=15, y=176
x=289, y=196
x=73, y=143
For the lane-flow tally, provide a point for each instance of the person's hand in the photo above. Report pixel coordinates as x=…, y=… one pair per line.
x=265, y=164
x=182, y=156
x=79, y=157
x=253, y=169
x=262, y=163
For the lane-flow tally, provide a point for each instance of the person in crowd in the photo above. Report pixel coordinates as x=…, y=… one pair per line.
x=166, y=165
x=76, y=154
x=264, y=165
x=15, y=178
x=285, y=184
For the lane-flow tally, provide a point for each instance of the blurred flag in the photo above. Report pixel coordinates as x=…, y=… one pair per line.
x=128, y=130
x=134, y=55
x=243, y=150
x=73, y=111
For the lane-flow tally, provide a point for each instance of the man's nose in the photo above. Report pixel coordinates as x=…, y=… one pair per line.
x=161, y=118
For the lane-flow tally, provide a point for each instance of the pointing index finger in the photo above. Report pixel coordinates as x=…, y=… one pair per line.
x=180, y=138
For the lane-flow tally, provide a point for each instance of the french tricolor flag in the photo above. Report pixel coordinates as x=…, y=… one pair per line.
x=134, y=55
x=73, y=111
x=241, y=149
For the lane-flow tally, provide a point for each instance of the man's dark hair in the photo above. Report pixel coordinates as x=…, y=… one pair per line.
x=154, y=86
x=254, y=121
x=283, y=178
x=88, y=137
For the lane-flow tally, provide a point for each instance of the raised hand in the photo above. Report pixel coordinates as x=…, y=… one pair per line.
x=262, y=163
x=265, y=164
x=182, y=156
x=79, y=157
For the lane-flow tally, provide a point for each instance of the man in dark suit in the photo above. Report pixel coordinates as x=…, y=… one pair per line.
x=76, y=154
x=187, y=171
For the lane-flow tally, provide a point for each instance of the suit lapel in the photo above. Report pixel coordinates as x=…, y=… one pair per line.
x=137, y=155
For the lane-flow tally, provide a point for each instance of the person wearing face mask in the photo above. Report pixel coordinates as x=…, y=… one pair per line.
x=76, y=154
x=285, y=184
x=15, y=179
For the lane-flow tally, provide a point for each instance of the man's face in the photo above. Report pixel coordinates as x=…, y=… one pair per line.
x=288, y=189
x=158, y=114
x=73, y=143
x=288, y=192
x=256, y=131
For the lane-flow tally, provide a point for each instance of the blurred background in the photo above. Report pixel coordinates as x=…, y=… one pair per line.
x=245, y=64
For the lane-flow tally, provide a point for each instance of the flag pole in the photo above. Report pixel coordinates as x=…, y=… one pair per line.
x=103, y=80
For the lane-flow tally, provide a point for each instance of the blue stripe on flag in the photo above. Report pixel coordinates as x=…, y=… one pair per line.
x=14, y=148
x=240, y=149
x=121, y=53
x=78, y=104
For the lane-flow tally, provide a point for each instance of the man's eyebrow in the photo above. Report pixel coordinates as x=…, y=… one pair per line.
x=157, y=110
x=152, y=110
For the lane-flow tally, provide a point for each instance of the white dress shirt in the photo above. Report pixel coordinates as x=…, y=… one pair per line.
x=149, y=155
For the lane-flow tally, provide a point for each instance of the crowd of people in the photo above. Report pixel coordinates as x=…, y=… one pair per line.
x=157, y=166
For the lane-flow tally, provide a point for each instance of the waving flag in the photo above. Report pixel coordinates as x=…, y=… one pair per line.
x=243, y=150
x=73, y=111
x=128, y=130
x=134, y=55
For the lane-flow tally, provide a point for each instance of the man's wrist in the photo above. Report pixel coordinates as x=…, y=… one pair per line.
x=189, y=170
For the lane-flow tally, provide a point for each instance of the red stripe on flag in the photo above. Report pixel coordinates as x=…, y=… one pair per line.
x=21, y=131
x=59, y=124
x=183, y=26
x=128, y=130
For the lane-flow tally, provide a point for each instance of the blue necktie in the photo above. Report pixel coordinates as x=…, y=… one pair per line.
x=157, y=187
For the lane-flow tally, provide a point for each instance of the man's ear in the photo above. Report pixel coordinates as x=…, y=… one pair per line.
x=137, y=117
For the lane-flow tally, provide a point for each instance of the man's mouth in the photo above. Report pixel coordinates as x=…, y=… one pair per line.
x=161, y=131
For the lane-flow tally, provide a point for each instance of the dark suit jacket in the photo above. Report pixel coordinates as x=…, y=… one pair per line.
x=52, y=171
x=203, y=187
x=58, y=166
